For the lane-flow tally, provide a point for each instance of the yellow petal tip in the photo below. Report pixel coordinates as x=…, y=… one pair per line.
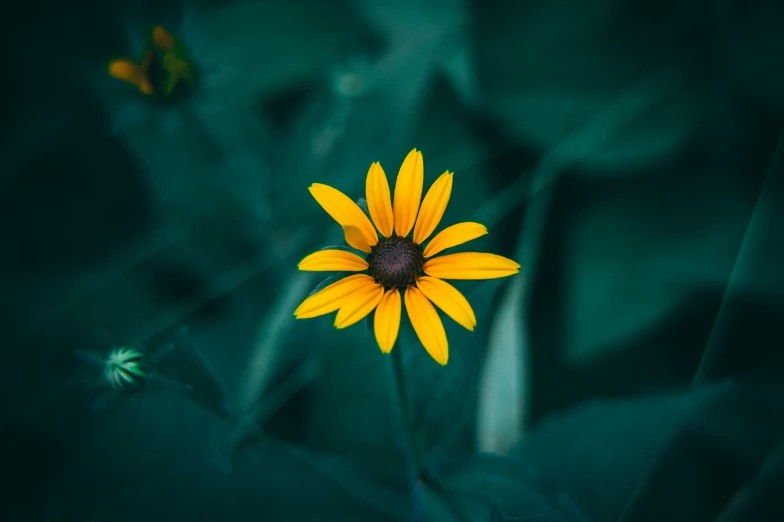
x=340, y=326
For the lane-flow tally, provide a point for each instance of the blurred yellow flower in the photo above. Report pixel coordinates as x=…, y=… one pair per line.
x=396, y=268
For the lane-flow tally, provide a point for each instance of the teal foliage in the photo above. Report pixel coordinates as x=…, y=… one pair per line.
x=627, y=154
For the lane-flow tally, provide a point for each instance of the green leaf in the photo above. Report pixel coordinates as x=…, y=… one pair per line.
x=503, y=387
x=755, y=42
x=613, y=310
x=616, y=101
x=492, y=488
x=643, y=456
x=760, y=498
x=271, y=481
x=747, y=304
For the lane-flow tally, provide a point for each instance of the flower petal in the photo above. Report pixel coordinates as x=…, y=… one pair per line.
x=358, y=305
x=378, y=199
x=433, y=207
x=343, y=210
x=408, y=192
x=128, y=71
x=162, y=39
x=449, y=300
x=329, y=298
x=427, y=325
x=333, y=261
x=387, y=320
x=470, y=265
x=453, y=236
x=356, y=239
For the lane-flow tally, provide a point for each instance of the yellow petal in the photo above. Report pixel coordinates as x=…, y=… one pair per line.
x=358, y=305
x=427, y=325
x=387, y=320
x=408, y=192
x=329, y=298
x=378, y=199
x=449, y=299
x=146, y=86
x=453, y=236
x=355, y=239
x=343, y=210
x=333, y=261
x=127, y=71
x=162, y=39
x=470, y=265
x=433, y=207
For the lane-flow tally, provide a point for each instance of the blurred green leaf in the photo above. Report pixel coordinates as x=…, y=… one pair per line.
x=643, y=457
x=271, y=481
x=623, y=296
x=748, y=316
x=271, y=44
x=485, y=488
x=503, y=386
x=754, y=47
x=617, y=100
x=760, y=498
x=619, y=283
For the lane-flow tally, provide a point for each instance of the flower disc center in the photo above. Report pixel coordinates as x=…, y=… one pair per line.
x=396, y=262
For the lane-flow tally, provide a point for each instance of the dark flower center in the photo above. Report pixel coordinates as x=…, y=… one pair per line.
x=396, y=262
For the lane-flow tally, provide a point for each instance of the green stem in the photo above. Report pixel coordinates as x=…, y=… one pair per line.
x=405, y=418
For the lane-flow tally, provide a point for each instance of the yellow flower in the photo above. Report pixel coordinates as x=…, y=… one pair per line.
x=396, y=268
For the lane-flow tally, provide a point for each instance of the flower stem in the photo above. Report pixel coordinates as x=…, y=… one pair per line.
x=405, y=418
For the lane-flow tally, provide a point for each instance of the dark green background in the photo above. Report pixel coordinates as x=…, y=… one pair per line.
x=627, y=153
